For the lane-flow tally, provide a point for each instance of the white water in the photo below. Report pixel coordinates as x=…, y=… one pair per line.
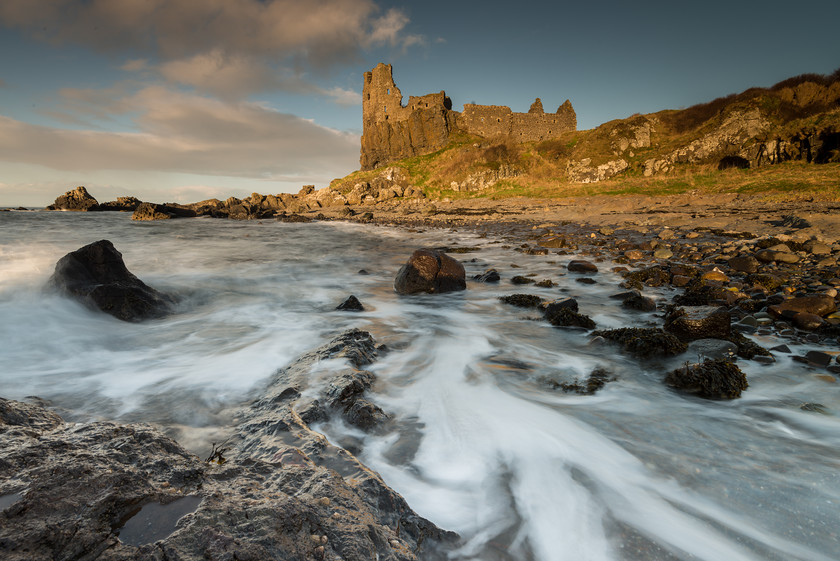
x=481, y=445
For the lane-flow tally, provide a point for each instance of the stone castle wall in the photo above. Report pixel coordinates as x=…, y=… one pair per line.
x=391, y=130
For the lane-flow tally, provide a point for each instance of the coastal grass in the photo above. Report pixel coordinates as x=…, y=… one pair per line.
x=789, y=180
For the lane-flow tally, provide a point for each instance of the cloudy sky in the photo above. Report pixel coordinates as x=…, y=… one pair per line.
x=181, y=100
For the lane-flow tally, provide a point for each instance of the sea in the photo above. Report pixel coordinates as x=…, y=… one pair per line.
x=484, y=443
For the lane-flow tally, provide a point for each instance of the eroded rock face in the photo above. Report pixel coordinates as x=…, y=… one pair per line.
x=430, y=271
x=78, y=199
x=97, y=276
x=278, y=490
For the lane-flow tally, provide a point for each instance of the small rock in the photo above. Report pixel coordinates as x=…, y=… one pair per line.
x=818, y=358
x=552, y=306
x=745, y=264
x=806, y=321
x=579, y=266
x=699, y=322
x=352, y=304
x=490, y=275
x=639, y=302
x=519, y=279
x=663, y=253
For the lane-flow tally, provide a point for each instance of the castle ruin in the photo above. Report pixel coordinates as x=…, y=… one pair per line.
x=391, y=130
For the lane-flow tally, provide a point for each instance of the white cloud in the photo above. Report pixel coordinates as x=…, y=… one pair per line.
x=322, y=32
x=188, y=134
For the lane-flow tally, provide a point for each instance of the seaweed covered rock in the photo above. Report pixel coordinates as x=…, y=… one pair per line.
x=567, y=317
x=698, y=293
x=522, y=300
x=651, y=276
x=699, y=322
x=712, y=379
x=596, y=380
x=97, y=276
x=644, y=342
x=430, y=271
x=490, y=275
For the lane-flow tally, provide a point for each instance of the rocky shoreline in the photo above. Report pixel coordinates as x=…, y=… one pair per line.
x=274, y=489
x=732, y=265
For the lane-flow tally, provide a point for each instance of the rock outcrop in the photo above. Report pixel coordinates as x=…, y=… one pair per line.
x=275, y=490
x=122, y=204
x=78, y=199
x=430, y=271
x=712, y=379
x=152, y=211
x=97, y=276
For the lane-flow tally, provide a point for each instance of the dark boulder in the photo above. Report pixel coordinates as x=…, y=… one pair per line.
x=352, y=304
x=744, y=264
x=635, y=301
x=733, y=162
x=712, y=379
x=579, y=266
x=519, y=279
x=430, y=271
x=294, y=218
x=97, y=276
x=78, y=199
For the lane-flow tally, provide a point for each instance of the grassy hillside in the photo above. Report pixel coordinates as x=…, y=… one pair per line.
x=804, y=107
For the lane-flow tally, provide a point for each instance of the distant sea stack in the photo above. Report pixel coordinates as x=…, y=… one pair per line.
x=392, y=131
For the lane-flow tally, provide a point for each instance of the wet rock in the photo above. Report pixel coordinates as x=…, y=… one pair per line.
x=713, y=348
x=585, y=267
x=712, y=379
x=817, y=248
x=635, y=301
x=552, y=306
x=744, y=264
x=651, y=276
x=819, y=359
x=553, y=242
x=78, y=200
x=546, y=283
x=97, y=276
x=596, y=380
x=747, y=348
x=644, y=342
x=122, y=204
x=352, y=304
x=566, y=317
x=522, y=300
x=519, y=279
x=345, y=394
x=294, y=218
x=586, y=280
x=699, y=322
x=19, y=414
x=430, y=271
x=662, y=253
x=152, y=211
x=820, y=305
x=775, y=256
x=807, y=322
x=490, y=275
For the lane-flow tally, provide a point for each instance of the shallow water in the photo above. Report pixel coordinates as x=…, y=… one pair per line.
x=481, y=444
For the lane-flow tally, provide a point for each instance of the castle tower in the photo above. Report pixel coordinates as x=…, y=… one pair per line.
x=381, y=98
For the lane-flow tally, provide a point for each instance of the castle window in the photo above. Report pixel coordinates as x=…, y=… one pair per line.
x=427, y=104
x=388, y=91
x=368, y=96
x=386, y=109
x=498, y=120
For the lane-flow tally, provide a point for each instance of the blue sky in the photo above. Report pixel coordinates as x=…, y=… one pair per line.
x=177, y=100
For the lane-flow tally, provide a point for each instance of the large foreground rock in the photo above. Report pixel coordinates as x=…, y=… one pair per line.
x=97, y=276
x=275, y=490
x=77, y=199
x=432, y=271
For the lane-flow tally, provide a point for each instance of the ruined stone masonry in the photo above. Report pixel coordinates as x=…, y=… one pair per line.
x=392, y=131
